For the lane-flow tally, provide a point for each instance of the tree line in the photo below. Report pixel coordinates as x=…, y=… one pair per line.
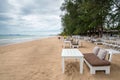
x=82, y=17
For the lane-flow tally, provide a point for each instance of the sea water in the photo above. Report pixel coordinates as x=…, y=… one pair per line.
x=15, y=36
x=7, y=39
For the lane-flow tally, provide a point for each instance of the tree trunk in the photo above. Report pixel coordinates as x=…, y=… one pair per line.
x=100, y=31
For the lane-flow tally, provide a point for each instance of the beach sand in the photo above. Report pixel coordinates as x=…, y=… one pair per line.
x=41, y=60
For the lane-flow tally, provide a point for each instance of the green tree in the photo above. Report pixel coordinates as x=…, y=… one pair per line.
x=83, y=15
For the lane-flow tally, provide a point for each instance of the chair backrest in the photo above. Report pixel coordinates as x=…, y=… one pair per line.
x=102, y=54
x=109, y=56
x=75, y=41
x=96, y=50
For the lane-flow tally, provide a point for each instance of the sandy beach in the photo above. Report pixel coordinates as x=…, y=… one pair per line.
x=41, y=60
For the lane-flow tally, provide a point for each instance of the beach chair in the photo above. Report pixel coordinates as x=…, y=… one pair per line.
x=75, y=43
x=96, y=60
x=66, y=41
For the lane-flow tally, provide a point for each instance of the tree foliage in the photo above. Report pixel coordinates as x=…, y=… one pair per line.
x=81, y=16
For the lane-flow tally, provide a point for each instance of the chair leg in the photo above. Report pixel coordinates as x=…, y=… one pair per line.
x=92, y=71
x=107, y=71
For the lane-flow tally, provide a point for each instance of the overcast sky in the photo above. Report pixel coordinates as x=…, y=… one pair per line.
x=30, y=15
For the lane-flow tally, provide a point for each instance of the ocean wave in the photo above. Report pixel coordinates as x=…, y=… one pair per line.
x=17, y=39
x=14, y=35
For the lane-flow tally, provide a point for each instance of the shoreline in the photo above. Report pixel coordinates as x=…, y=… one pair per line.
x=24, y=41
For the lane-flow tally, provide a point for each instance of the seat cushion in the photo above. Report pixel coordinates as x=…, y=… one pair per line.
x=95, y=61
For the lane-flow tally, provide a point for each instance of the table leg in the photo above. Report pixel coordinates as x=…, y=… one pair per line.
x=63, y=63
x=70, y=45
x=81, y=65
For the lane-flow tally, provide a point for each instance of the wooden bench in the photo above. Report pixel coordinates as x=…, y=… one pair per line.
x=95, y=63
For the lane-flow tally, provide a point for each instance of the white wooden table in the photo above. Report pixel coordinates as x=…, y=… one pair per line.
x=72, y=53
x=111, y=52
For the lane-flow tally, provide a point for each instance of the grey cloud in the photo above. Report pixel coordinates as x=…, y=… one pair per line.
x=4, y=6
x=4, y=18
x=41, y=7
x=46, y=13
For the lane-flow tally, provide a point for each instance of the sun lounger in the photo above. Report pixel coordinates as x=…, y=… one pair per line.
x=96, y=61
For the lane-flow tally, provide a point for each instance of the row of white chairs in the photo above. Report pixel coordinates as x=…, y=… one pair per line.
x=112, y=44
x=72, y=41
